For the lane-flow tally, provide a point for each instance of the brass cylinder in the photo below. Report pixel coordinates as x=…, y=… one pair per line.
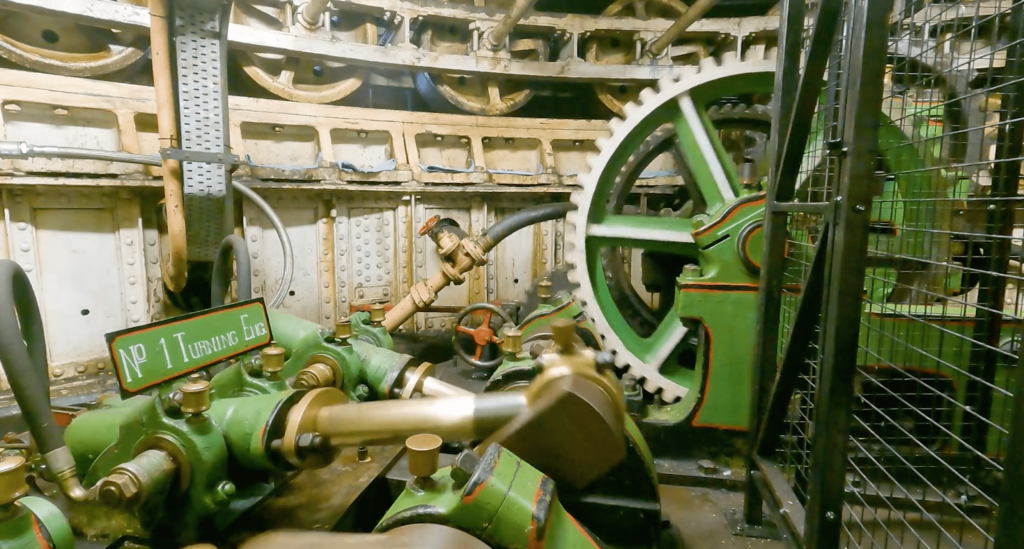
x=377, y=314
x=424, y=453
x=563, y=331
x=544, y=289
x=195, y=396
x=465, y=417
x=273, y=360
x=343, y=331
x=513, y=342
x=12, y=479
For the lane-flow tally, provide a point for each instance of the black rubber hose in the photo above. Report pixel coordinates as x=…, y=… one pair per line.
x=524, y=218
x=233, y=246
x=23, y=355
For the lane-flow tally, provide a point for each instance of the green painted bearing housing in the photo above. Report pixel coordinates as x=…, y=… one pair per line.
x=506, y=503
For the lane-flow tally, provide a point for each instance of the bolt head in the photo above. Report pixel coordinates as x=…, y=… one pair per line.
x=118, y=489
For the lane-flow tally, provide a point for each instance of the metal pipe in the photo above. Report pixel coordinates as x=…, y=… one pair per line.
x=456, y=418
x=16, y=149
x=231, y=248
x=175, y=271
x=312, y=11
x=433, y=387
x=495, y=39
x=427, y=290
x=689, y=17
x=282, y=235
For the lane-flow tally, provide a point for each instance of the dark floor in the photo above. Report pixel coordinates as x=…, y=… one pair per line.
x=698, y=516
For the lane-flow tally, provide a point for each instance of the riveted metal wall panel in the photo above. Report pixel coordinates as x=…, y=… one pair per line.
x=300, y=217
x=370, y=234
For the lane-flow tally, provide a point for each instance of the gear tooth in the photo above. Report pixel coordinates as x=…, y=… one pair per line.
x=614, y=124
x=771, y=54
x=648, y=94
x=730, y=57
x=754, y=53
x=708, y=63
x=665, y=83
x=574, y=276
x=572, y=217
x=651, y=385
x=630, y=108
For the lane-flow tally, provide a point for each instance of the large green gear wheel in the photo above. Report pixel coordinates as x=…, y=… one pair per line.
x=683, y=102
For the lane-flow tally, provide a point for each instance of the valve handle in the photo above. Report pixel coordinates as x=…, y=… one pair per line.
x=482, y=335
x=429, y=225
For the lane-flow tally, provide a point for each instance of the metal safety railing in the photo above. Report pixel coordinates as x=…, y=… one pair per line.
x=890, y=411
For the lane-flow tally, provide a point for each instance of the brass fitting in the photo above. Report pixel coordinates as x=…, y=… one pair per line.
x=544, y=290
x=148, y=475
x=315, y=375
x=377, y=314
x=424, y=451
x=513, y=342
x=273, y=361
x=12, y=479
x=446, y=243
x=195, y=395
x=118, y=489
x=563, y=331
x=342, y=331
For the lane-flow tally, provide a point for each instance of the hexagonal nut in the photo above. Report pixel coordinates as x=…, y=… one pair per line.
x=464, y=466
x=118, y=489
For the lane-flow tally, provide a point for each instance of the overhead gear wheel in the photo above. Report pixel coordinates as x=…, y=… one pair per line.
x=61, y=46
x=676, y=116
x=479, y=95
x=615, y=49
x=303, y=80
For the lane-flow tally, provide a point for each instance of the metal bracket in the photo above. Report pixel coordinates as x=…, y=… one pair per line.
x=765, y=530
x=228, y=159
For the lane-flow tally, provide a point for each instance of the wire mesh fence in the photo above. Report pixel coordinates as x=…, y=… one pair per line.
x=941, y=329
x=942, y=307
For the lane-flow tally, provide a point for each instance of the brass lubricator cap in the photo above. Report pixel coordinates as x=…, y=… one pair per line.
x=513, y=342
x=12, y=479
x=544, y=288
x=343, y=331
x=195, y=395
x=273, y=360
x=563, y=331
x=377, y=314
x=424, y=451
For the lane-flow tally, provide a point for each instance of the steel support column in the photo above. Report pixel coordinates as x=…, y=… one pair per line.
x=864, y=67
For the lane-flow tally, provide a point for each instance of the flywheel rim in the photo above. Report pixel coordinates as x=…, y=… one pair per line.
x=595, y=229
x=121, y=50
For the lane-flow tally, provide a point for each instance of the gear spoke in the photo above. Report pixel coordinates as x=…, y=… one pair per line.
x=704, y=154
x=659, y=349
x=663, y=234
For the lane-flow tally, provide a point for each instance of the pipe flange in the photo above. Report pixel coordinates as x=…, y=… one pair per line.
x=422, y=295
x=414, y=379
x=301, y=420
x=475, y=250
x=452, y=273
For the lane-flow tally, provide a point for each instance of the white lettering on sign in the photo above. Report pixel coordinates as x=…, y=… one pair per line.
x=181, y=343
x=135, y=357
x=254, y=331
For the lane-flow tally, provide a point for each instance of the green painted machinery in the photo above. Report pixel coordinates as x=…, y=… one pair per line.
x=691, y=348
x=28, y=522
